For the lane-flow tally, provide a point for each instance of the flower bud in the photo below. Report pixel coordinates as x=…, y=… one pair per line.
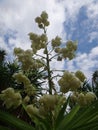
x=26, y=99
x=57, y=50
x=71, y=45
x=44, y=15
x=32, y=110
x=46, y=23
x=81, y=99
x=73, y=98
x=40, y=25
x=56, y=42
x=80, y=75
x=8, y=91
x=90, y=96
x=43, y=37
x=38, y=20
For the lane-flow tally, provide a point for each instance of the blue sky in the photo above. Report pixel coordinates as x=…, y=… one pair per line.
x=70, y=19
x=83, y=28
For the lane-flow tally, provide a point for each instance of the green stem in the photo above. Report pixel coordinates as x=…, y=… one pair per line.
x=49, y=72
x=48, y=68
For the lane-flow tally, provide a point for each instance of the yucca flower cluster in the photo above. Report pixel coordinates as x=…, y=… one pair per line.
x=26, y=99
x=47, y=103
x=69, y=50
x=69, y=82
x=66, y=52
x=28, y=87
x=26, y=59
x=38, y=41
x=42, y=20
x=44, y=102
x=56, y=42
x=50, y=101
x=83, y=98
x=32, y=110
x=11, y=98
x=79, y=74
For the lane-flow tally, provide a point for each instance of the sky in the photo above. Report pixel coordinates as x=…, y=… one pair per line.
x=70, y=19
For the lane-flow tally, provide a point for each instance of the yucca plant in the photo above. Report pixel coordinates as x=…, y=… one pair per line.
x=47, y=107
x=85, y=118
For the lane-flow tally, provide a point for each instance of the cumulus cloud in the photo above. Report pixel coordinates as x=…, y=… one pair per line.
x=85, y=62
x=93, y=35
x=92, y=11
x=18, y=16
x=2, y=44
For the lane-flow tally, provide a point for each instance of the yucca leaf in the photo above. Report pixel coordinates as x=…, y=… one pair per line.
x=14, y=122
x=61, y=113
x=86, y=115
x=67, y=119
x=42, y=122
x=85, y=119
x=87, y=126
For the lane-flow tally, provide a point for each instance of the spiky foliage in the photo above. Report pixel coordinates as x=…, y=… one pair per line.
x=95, y=82
x=46, y=107
x=2, y=55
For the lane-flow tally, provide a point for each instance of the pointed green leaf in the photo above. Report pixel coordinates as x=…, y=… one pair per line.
x=61, y=113
x=14, y=122
x=43, y=122
x=86, y=115
x=85, y=118
x=67, y=119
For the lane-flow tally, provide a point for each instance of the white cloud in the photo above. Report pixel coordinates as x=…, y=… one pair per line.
x=19, y=16
x=94, y=52
x=92, y=11
x=84, y=62
x=2, y=44
x=6, y=48
x=93, y=35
